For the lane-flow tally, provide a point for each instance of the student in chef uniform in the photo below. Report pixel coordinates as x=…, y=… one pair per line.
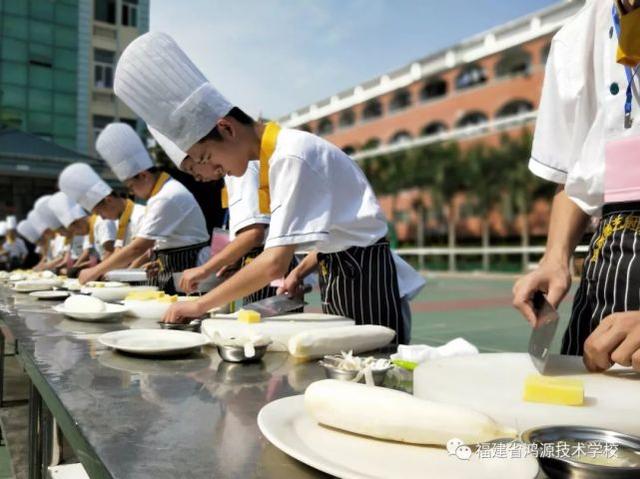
x=587, y=140
x=319, y=199
x=81, y=183
x=44, y=235
x=98, y=235
x=60, y=242
x=173, y=224
x=29, y=232
x=247, y=224
x=14, y=246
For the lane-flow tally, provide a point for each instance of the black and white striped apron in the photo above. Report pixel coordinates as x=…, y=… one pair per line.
x=610, y=281
x=362, y=284
x=268, y=290
x=174, y=260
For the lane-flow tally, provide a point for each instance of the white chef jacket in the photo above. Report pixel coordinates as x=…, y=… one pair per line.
x=321, y=199
x=244, y=206
x=103, y=232
x=579, y=112
x=173, y=218
x=132, y=228
x=17, y=249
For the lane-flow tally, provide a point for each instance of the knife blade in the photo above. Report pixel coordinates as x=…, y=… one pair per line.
x=542, y=335
x=277, y=305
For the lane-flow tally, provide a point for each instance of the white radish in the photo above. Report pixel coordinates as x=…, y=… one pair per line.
x=318, y=343
x=397, y=416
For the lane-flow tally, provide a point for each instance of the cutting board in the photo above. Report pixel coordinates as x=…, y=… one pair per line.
x=494, y=383
x=278, y=328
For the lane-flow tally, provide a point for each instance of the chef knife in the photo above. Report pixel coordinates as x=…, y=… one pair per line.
x=277, y=305
x=542, y=334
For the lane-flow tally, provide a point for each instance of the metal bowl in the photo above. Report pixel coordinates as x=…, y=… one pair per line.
x=559, y=466
x=349, y=375
x=235, y=353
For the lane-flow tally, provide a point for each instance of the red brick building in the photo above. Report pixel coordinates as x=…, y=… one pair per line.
x=473, y=91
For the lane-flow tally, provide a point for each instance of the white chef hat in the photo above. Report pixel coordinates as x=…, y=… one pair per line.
x=83, y=185
x=28, y=231
x=37, y=222
x=66, y=209
x=11, y=222
x=46, y=214
x=122, y=149
x=3, y=228
x=174, y=153
x=162, y=85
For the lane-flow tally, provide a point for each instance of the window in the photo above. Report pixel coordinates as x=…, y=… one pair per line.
x=99, y=123
x=371, y=144
x=130, y=13
x=40, y=76
x=15, y=27
x=400, y=101
x=132, y=123
x=516, y=107
x=471, y=76
x=347, y=118
x=103, y=68
x=325, y=127
x=105, y=11
x=433, y=88
x=434, y=128
x=64, y=104
x=372, y=109
x=473, y=118
x=514, y=62
x=400, y=137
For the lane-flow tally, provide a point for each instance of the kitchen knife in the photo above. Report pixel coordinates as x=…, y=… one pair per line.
x=277, y=305
x=542, y=334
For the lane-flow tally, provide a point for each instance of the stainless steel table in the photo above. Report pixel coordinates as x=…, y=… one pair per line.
x=127, y=417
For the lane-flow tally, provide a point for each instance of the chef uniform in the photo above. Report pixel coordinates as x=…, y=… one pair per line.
x=589, y=108
x=172, y=217
x=15, y=248
x=319, y=198
x=240, y=196
x=57, y=244
x=81, y=183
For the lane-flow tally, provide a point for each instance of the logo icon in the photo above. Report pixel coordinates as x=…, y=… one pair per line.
x=457, y=447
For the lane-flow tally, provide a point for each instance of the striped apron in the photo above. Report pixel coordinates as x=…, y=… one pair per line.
x=174, y=260
x=362, y=284
x=610, y=281
x=268, y=291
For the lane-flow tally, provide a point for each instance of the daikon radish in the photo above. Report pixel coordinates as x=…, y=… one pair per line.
x=318, y=343
x=84, y=304
x=397, y=416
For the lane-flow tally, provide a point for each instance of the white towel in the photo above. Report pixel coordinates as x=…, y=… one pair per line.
x=419, y=353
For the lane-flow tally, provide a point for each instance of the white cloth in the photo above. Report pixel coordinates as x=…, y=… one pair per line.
x=132, y=228
x=17, y=249
x=28, y=231
x=578, y=113
x=419, y=353
x=244, y=206
x=103, y=232
x=321, y=200
x=57, y=247
x=175, y=154
x=173, y=218
x=76, y=247
x=83, y=185
x=121, y=147
x=66, y=210
x=3, y=228
x=12, y=222
x=46, y=214
x=157, y=80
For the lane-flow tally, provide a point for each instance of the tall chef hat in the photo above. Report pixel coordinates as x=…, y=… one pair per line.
x=3, y=228
x=66, y=209
x=83, y=185
x=27, y=230
x=46, y=214
x=174, y=153
x=37, y=222
x=11, y=222
x=162, y=85
x=122, y=149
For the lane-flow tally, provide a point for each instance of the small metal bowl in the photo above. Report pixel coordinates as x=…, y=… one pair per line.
x=349, y=375
x=193, y=325
x=573, y=468
x=235, y=353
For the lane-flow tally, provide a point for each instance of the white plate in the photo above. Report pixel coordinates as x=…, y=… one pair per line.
x=50, y=294
x=287, y=425
x=115, y=294
x=154, y=342
x=30, y=286
x=112, y=311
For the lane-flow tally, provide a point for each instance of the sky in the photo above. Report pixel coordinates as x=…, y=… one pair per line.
x=271, y=57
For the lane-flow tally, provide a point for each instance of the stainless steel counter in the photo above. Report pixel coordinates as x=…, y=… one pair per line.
x=127, y=417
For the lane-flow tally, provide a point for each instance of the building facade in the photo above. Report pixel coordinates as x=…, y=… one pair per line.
x=474, y=91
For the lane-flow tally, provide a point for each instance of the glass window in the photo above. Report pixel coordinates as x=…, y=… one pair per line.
x=40, y=100
x=15, y=27
x=471, y=76
x=42, y=10
x=17, y=7
x=513, y=108
x=41, y=55
x=103, y=68
x=40, y=77
x=64, y=81
x=433, y=88
x=105, y=11
x=66, y=59
x=14, y=96
x=130, y=13
x=40, y=123
x=347, y=118
x=65, y=104
x=401, y=100
x=12, y=118
x=373, y=109
x=65, y=37
x=474, y=118
x=41, y=32
x=400, y=137
x=14, y=50
x=513, y=62
x=67, y=15
x=325, y=127
x=14, y=73
x=99, y=123
x=64, y=126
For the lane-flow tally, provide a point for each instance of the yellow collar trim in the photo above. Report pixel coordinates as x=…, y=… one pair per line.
x=162, y=179
x=267, y=147
x=123, y=221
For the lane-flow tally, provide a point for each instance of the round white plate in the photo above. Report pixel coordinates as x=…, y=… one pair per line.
x=50, y=294
x=154, y=342
x=112, y=311
x=117, y=293
x=287, y=425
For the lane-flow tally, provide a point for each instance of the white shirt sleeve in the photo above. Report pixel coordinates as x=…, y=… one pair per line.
x=244, y=204
x=105, y=231
x=563, y=116
x=301, y=204
x=161, y=219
